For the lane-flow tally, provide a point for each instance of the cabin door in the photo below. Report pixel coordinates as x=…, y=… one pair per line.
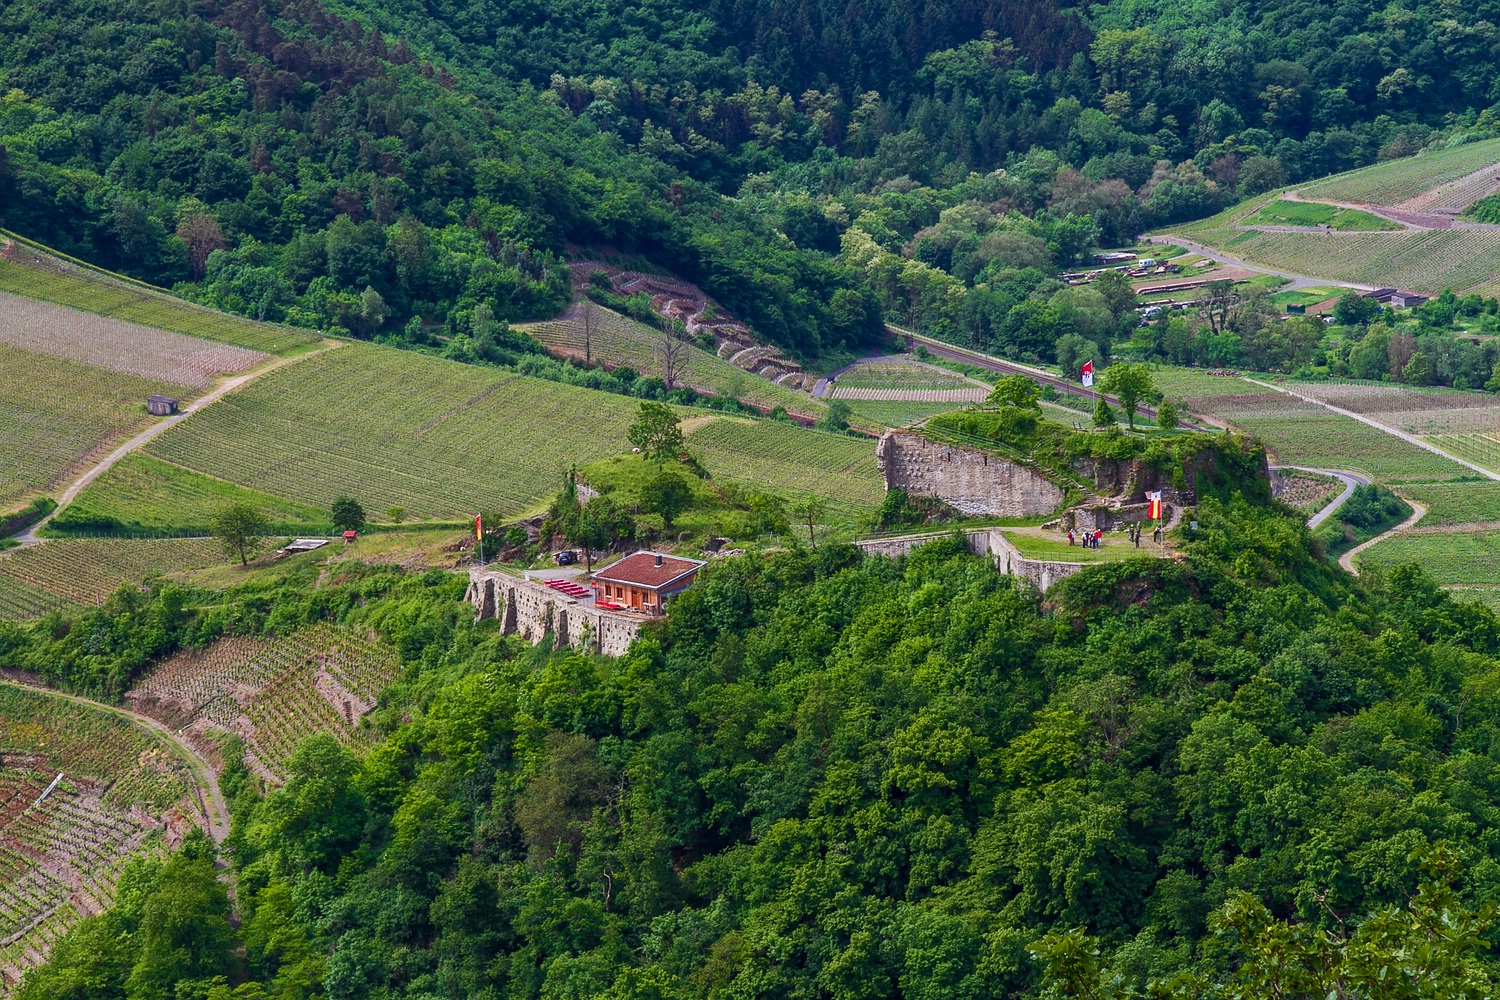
x=635, y=598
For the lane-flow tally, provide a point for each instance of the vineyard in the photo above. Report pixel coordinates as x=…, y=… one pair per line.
x=1197, y=383
x=895, y=413
x=1429, y=260
x=1398, y=180
x=1307, y=434
x=55, y=414
x=68, y=574
x=620, y=341
x=143, y=495
x=1303, y=213
x=1449, y=558
x=779, y=456
x=39, y=276
x=440, y=439
x=124, y=793
x=1456, y=503
x=273, y=692
x=117, y=344
x=903, y=376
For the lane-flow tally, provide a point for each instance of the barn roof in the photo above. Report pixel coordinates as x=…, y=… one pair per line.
x=651, y=570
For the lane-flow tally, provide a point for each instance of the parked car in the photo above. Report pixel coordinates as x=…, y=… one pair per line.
x=566, y=558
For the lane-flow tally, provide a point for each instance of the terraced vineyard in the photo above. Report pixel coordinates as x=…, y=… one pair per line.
x=1467, y=557
x=36, y=275
x=68, y=574
x=791, y=459
x=118, y=345
x=144, y=495
x=273, y=692
x=1398, y=180
x=123, y=793
x=440, y=439
x=54, y=414
x=901, y=375
x=895, y=413
x=619, y=340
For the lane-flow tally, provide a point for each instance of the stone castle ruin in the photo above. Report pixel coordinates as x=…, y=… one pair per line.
x=533, y=611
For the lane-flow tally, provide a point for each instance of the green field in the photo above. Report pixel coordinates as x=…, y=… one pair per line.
x=1281, y=212
x=57, y=281
x=1456, y=502
x=620, y=341
x=1397, y=180
x=1039, y=543
x=73, y=573
x=791, y=460
x=1194, y=383
x=54, y=413
x=144, y=495
x=1460, y=557
x=1307, y=296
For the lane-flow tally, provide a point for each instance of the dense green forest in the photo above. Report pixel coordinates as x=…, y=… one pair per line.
x=835, y=776
x=384, y=169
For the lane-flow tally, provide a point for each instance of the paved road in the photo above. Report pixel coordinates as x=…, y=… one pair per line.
x=1350, y=481
x=1347, y=559
x=29, y=536
x=215, y=811
x=1297, y=280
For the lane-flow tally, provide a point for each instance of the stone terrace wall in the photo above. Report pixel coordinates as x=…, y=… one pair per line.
x=531, y=610
x=969, y=481
x=982, y=542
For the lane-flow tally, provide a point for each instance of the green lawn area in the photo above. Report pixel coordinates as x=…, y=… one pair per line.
x=1305, y=213
x=1043, y=543
x=1307, y=296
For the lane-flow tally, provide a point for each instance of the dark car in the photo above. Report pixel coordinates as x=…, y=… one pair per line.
x=566, y=558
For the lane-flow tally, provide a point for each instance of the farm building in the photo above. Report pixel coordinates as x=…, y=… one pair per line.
x=1406, y=300
x=161, y=406
x=644, y=581
x=1379, y=294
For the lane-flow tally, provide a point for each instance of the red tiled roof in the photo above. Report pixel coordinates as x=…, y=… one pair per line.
x=639, y=569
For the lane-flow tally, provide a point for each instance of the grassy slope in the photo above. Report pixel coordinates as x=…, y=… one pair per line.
x=1397, y=180
x=54, y=413
x=92, y=291
x=1281, y=212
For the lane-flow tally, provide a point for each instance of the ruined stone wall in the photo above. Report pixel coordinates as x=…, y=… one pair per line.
x=982, y=542
x=531, y=610
x=969, y=481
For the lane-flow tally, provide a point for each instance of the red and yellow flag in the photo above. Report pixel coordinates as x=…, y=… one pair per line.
x=478, y=528
x=1155, y=509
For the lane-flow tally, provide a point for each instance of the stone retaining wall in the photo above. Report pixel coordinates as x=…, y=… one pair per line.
x=976, y=483
x=991, y=542
x=531, y=610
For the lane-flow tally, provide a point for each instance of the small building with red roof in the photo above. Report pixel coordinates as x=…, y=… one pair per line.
x=644, y=581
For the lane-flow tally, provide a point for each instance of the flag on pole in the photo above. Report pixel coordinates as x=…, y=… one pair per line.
x=1155, y=512
x=478, y=528
x=1088, y=374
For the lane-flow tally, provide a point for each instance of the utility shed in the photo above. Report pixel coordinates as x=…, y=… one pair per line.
x=644, y=581
x=161, y=406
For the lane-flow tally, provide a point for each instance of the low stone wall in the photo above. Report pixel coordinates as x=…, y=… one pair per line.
x=982, y=542
x=531, y=610
x=976, y=483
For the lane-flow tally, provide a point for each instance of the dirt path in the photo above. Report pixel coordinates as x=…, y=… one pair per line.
x=1408, y=438
x=1347, y=559
x=205, y=786
x=29, y=537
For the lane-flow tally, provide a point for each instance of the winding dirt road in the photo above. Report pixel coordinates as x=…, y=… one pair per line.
x=1347, y=559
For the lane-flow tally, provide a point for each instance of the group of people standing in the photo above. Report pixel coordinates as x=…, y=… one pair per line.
x=1093, y=539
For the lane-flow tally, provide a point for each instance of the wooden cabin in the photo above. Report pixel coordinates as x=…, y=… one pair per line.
x=645, y=581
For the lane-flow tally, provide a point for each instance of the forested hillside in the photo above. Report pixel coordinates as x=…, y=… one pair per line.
x=829, y=776
x=384, y=169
